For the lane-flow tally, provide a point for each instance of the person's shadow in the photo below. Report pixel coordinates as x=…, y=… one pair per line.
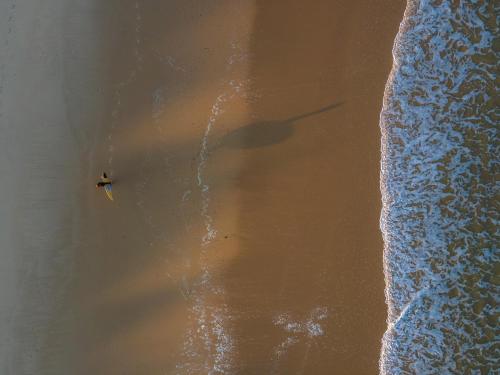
x=266, y=133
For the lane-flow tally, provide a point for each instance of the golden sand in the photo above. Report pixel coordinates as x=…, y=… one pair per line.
x=243, y=140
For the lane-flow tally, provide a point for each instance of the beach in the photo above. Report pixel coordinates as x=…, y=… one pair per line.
x=243, y=141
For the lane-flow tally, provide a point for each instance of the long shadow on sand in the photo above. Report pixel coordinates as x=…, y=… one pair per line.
x=267, y=133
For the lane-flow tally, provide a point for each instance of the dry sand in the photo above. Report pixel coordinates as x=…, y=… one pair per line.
x=243, y=140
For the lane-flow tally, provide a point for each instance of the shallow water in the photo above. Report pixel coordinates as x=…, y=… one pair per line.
x=438, y=180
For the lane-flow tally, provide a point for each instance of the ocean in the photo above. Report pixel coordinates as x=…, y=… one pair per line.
x=439, y=182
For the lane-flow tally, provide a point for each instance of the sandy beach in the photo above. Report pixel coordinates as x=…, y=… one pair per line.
x=243, y=141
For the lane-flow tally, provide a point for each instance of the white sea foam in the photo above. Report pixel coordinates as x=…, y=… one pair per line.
x=209, y=346
x=298, y=330
x=439, y=159
x=209, y=335
x=208, y=342
x=211, y=232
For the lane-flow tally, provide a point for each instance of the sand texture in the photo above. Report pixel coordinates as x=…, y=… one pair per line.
x=242, y=138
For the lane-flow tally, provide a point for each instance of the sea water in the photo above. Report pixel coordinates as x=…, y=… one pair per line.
x=439, y=182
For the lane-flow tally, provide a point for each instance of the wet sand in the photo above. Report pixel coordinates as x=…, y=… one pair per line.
x=49, y=68
x=243, y=140
x=307, y=282
x=244, y=237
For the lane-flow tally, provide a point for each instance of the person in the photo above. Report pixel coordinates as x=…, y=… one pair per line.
x=104, y=180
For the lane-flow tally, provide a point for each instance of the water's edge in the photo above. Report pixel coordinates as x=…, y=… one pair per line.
x=438, y=173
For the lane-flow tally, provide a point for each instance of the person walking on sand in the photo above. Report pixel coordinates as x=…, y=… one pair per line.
x=104, y=180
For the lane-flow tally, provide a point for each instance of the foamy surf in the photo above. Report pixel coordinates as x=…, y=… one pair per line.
x=439, y=221
x=208, y=345
x=203, y=185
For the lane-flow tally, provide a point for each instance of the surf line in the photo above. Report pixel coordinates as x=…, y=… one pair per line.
x=299, y=330
x=211, y=232
x=210, y=321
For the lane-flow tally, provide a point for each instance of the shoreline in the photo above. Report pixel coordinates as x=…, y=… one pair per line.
x=438, y=192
